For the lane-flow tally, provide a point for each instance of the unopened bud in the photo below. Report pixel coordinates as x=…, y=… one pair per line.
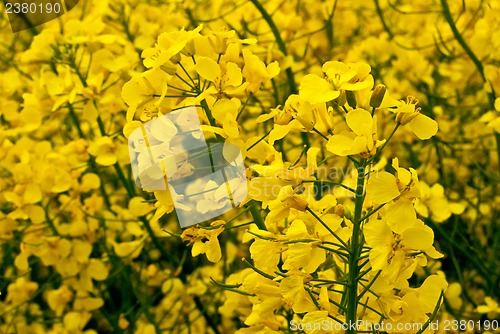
x=341, y=100
x=351, y=99
x=219, y=43
x=189, y=49
x=348, y=213
x=377, y=96
x=299, y=203
x=169, y=68
x=339, y=210
x=176, y=58
x=404, y=118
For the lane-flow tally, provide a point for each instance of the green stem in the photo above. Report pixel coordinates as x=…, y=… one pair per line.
x=355, y=250
x=372, y=212
x=279, y=41
x=330, y=183
x=128, y=187
x=266, y=275
x=379, y=151
x=208, y=112
x=256, y=215
x=460, y=39
x=433, y=315
x=319, y=133
x=92, y=164
x=342, y=242
x=258, y=141
x=382, y=20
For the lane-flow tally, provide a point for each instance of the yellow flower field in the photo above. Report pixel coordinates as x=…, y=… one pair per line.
x=250, y=166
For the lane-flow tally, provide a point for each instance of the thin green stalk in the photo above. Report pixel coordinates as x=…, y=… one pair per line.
x=281, y=44
x=355, y=251
x=258, y=141
x=367, y=287
x=379, y=151
x=208, y=112
x=433, y=315
x=243, y=106
x=321, y=135
x=92, y=164
x=460, y=39
x=479, y=66
x=382, y=19
x=372, y=212
x=328, y=228
x=256, y=215
x=128, y=187
x=330, y=183
x=339, y=253
x=264, y=274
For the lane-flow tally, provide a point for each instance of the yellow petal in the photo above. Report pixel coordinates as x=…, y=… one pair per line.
x=13, y=198
x=418, y=237
x=265, y=254
x=382, y=187
x=359, y=145
x=88, y=304
x=106, y=159
x=424, y=127
x=32, y=194
x=317, y=321
x=273, y=69
x=312, y=155
x=315, y=89
x=21, y=262
x=98, y=270
x=130, y=249
x=429, y=292
x=75, y=321
x=231, y=128
x=377, y=233
x=208, y=69
x=278, y=132
x=198, y=248
x=212, y=250
x=90, y=181
x=233, y=74
x=138, y=208
x=81, y=250
x=297, y=230
x=360, y=121
x=341, y=144
x=292, y=289
x=400, y=215
x=36, y=213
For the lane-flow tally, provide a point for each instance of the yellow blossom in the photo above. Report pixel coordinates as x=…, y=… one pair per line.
x=362, y=139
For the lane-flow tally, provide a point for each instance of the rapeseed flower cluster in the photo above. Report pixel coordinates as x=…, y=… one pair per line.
x=370, y=138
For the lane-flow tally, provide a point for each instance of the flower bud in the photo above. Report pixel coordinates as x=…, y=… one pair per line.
x=189, y=49
x=176, y=58
x=404, y=118
x=219, y=43
x=377, y=96
x=169, y=68
x=341, y=100
x=351, y=99
x=339, y=210
x=299, y=203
